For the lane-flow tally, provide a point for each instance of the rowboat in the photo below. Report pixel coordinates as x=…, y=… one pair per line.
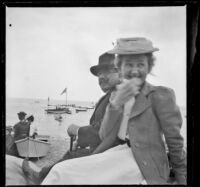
x=29, y=147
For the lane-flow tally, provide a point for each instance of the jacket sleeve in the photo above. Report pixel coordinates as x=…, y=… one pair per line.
x=170, y=119
x=88, y=136
x=112, y=120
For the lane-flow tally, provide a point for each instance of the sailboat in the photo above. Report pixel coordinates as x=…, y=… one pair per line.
x=58, y=109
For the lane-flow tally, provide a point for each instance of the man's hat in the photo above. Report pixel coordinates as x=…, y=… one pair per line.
x=106, y=61
x=129, y=46
x=21, y=114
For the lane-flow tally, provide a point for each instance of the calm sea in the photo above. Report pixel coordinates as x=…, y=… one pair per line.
x=46, y=123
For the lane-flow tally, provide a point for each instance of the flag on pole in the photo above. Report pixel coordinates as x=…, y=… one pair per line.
x=48, y=101
x=65, y=90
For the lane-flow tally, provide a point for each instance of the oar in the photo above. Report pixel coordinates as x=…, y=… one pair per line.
x=72, y=138
x=71, y=142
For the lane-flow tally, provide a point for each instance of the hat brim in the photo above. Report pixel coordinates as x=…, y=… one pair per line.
x=95, y=69
x=126, y=52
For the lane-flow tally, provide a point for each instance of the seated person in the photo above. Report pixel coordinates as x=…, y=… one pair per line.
x=141, y=114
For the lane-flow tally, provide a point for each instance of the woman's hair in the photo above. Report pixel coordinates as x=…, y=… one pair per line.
x=30, y=118
x=151, y=60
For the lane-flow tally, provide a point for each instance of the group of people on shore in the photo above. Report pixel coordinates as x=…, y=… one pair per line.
x=20, y=130
x=130, y=131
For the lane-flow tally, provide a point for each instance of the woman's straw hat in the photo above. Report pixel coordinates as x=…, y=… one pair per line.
x=128, y=46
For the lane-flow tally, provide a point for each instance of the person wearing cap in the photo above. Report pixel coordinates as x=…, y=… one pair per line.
x=21, y=130
x=108, y=77
x=87, y=136
x=141, y=114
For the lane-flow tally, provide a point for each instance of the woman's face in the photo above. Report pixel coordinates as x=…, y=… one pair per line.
x=134, y=66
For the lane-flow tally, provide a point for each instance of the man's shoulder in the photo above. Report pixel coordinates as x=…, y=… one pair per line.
x=20, y=123
x=17, y=124
x=163, y=92
x=107, y=95
x=163, y=96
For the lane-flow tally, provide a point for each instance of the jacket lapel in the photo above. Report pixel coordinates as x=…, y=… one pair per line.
x=92, y=119
x=142, y=102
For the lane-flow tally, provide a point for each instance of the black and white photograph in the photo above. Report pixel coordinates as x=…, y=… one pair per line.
x=96, y=95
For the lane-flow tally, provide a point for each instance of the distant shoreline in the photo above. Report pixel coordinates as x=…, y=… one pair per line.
x=63, y=101
x=45, y=100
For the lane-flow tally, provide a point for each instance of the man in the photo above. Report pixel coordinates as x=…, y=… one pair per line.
x=88, y=136
x=108, y=78
x=21, y=130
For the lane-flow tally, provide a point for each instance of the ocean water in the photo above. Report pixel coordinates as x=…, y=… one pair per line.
x=46, y=123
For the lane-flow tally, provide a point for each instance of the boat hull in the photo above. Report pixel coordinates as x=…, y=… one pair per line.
x=29, y=147
x=52, y=111
x=81, y=110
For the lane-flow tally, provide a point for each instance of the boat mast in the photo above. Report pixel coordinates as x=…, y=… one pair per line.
x=66, y=96
x=48, y=102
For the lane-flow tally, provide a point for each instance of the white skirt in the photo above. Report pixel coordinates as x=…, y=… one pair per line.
x=114, y=166
x=14, y=172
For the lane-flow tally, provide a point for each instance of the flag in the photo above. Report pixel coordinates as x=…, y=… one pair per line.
x=65, y=90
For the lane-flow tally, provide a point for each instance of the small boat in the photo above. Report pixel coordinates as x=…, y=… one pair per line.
x=29, y=147
x=80, y=110
x=92, y=107
x=58, y=110
x=58, y=117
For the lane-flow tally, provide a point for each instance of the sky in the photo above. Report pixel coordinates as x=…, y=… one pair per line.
x=48, y=49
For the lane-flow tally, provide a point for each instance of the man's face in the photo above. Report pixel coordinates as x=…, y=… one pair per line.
x=134, y=66
x=21, y=117
x=108, y=78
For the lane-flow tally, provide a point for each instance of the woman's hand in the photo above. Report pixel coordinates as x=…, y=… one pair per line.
x=125, y=91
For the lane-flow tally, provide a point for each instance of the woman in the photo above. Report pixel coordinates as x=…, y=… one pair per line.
x=151, y=115
x=32, y=130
